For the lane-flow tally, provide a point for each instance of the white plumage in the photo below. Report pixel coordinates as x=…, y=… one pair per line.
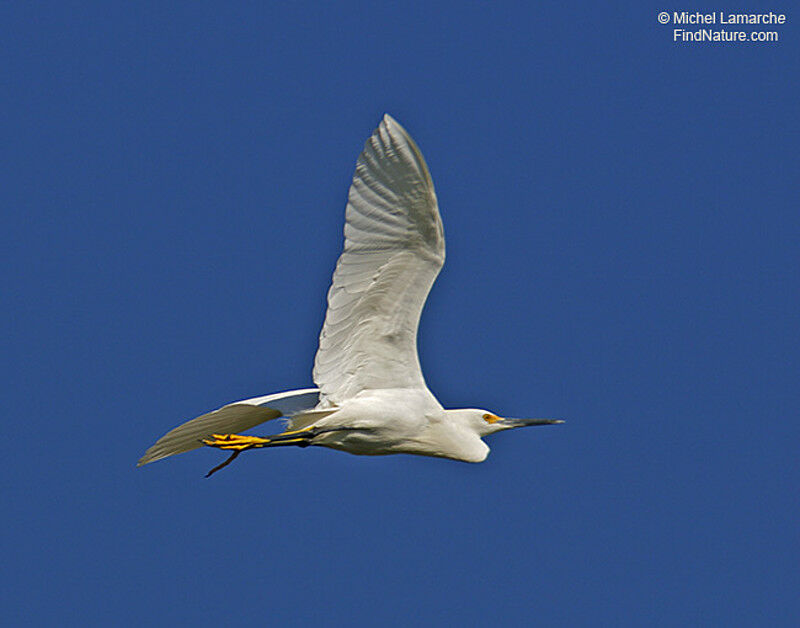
x=371, y=396
x=393, y=250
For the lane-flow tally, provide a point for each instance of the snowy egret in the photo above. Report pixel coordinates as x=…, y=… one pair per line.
x=371, y=397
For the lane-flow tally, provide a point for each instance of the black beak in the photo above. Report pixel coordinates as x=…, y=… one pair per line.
x=530, y=422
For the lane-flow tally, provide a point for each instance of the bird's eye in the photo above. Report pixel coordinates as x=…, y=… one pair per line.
x=491, y=418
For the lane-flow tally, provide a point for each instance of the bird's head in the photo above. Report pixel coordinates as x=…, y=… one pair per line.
x=484, y=422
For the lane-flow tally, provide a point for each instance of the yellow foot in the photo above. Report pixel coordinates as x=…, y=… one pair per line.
x=235, y=442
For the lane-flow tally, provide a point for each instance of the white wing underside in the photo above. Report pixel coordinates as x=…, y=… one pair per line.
x=393, y=251
x=234, y=417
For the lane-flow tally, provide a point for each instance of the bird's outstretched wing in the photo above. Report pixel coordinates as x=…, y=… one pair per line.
x=393, y=251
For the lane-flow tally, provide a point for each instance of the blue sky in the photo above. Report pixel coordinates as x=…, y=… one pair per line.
x=621, y=214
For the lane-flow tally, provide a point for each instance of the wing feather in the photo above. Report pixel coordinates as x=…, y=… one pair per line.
x=393, y=251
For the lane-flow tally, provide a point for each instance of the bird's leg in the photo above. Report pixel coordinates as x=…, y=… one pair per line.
x=224, y=464
x=239, y=443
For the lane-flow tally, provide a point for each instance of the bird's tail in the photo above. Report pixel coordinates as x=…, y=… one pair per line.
x=232, y=418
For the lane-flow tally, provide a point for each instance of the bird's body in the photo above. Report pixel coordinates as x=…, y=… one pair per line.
x=371, y=397
x=400, y=421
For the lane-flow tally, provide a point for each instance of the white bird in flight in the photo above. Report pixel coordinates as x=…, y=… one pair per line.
x=371, y=397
